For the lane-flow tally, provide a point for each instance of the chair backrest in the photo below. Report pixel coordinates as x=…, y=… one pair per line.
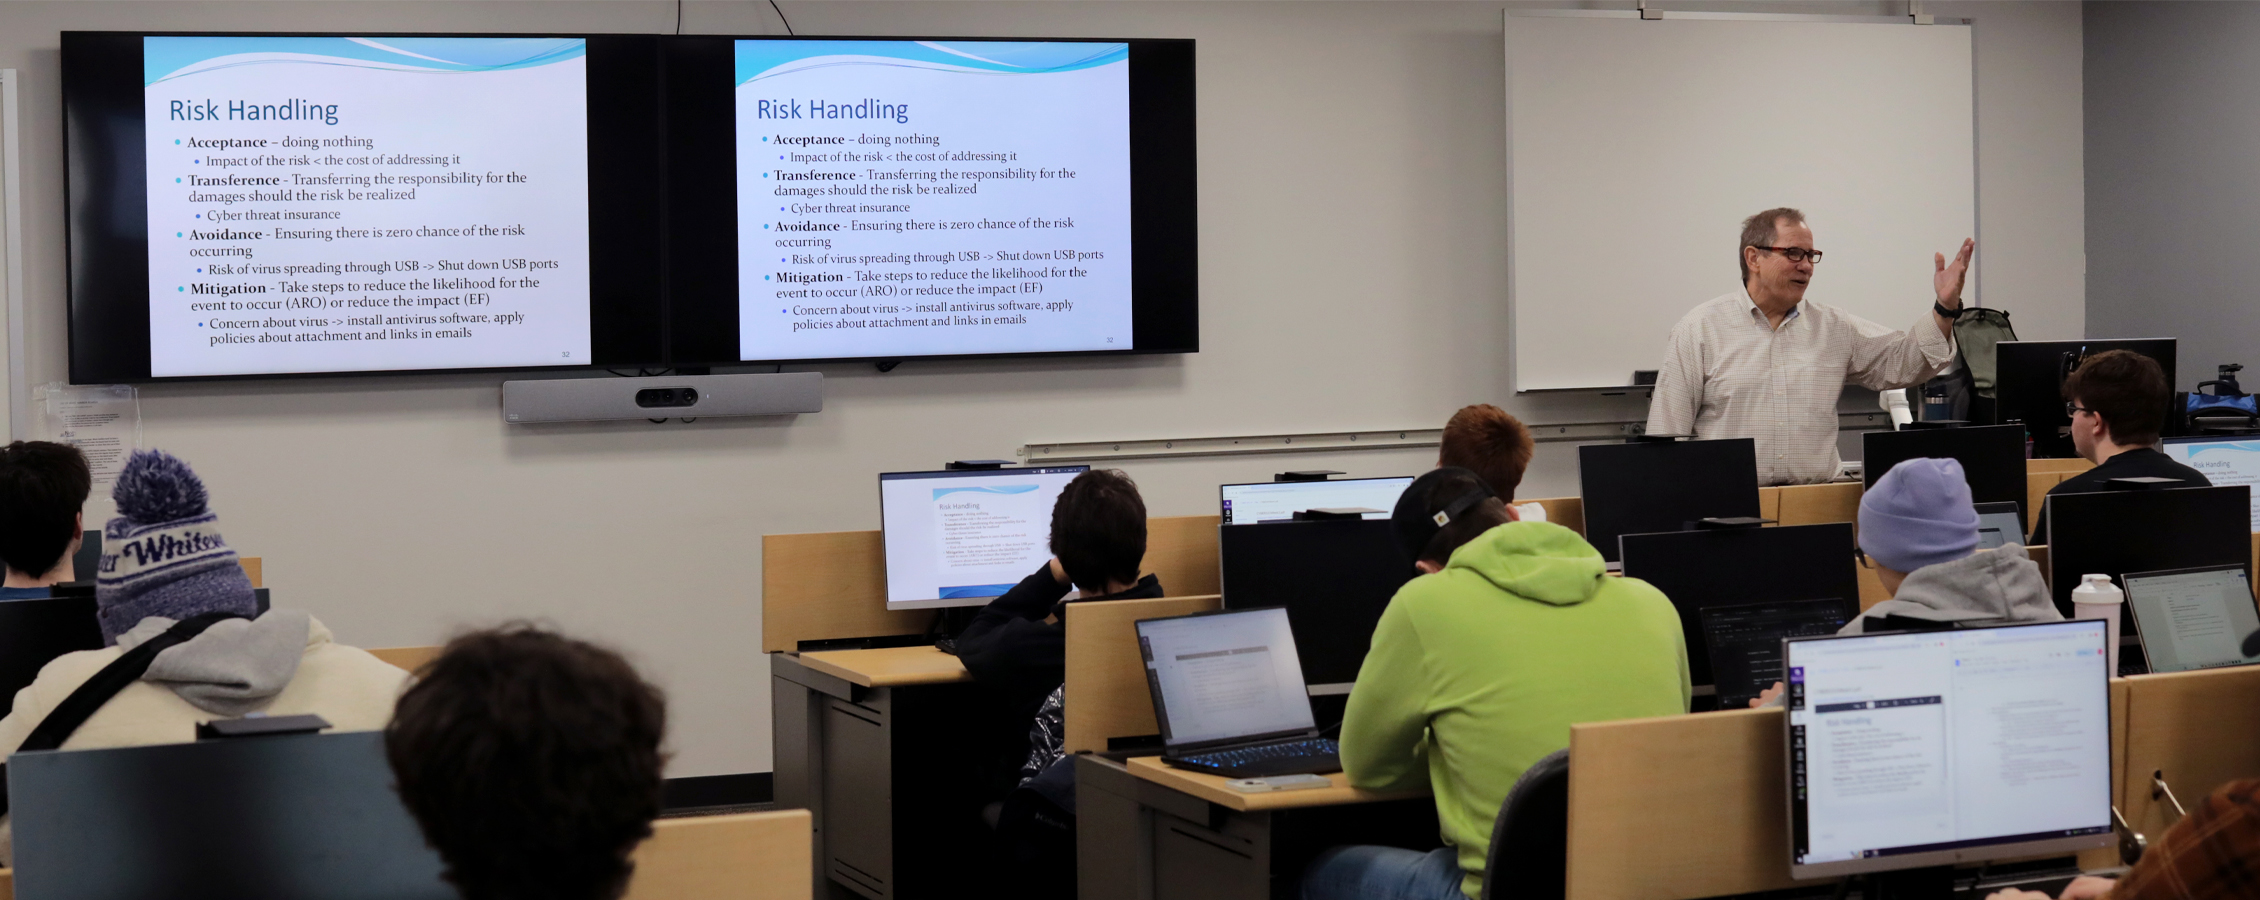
x=1530, y=841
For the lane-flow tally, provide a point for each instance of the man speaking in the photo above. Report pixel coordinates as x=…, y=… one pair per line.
x=1765, y=363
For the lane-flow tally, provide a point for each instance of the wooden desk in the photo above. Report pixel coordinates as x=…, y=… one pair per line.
x=889, y=666
x=1144, y=831
x=1212, y=789
x=747, y=856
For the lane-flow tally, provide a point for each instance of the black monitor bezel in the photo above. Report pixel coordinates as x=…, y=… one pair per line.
x=108, y=320
x=703, y=265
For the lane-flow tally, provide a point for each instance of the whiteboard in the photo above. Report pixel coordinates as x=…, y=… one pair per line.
x=1635, y=148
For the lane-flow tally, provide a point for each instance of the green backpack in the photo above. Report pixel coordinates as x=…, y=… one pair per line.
x=1975, y=332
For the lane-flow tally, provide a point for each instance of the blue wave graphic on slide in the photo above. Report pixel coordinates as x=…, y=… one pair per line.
x=2196, y=450
x=768, y=59
x=939, y=493
x=964, y=591
x=167, y=58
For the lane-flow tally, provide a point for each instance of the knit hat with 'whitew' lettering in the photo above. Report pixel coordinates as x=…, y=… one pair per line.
x=163, y=554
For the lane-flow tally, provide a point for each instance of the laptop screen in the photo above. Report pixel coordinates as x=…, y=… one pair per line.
x=2193, y=618
x=1279, y=501
x=1999, y=524
x=1745, y=641
x=1224, y=676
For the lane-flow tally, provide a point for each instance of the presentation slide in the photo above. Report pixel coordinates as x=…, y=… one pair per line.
x=926, y=198
x=1915, y=742
x=324, y=204
x=1227, y=676
x=960, y=538
x=2225, y=464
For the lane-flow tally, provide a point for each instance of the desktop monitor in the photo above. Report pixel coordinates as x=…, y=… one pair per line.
x=1652, y=486
x=1274, y=501
x=2193, y=618
x=1335, y=575
x=1918, y=749
x=34, y=632
x=2029, y=381
x=300, y=816
x=2226, y=461
x=2114, y=532
x=1992, y=457
x=961, y=537
x=88, y=557
x=1725, y=567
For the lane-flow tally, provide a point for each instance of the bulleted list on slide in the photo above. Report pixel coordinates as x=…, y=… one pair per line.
x=922, y=198
x=356, y=204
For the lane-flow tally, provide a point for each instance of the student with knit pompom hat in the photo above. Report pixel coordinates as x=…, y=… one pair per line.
x=163, y=561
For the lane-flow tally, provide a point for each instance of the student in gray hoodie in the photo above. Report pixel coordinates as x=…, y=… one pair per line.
x=1919, y=532
x=1918, y=529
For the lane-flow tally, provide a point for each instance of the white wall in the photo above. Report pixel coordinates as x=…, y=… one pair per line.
x=1352, y=236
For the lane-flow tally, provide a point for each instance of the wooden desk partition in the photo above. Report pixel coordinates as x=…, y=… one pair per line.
x=251, y=567
x=833, y=584
x=1678, y=807
x=2202, y=729
x=1568, y=512
x=2064, y=467
x=748, y=856
x=1769, y=503
x=1106, y=692
x=1819, y=504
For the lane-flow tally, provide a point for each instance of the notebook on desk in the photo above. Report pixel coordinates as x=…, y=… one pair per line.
x=1229, y=695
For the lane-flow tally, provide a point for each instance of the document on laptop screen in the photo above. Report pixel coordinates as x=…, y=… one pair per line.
x=2193, y=620
x=1226, y=676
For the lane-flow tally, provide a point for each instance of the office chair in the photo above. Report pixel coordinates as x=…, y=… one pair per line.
x=1530, y=842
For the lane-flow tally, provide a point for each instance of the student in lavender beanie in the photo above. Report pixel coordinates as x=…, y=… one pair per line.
x=163, y=561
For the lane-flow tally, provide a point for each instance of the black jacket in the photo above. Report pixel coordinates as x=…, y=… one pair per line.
x=1009, y=644
x=2141, y=462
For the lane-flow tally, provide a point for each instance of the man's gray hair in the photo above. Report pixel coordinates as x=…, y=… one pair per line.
x=1758, y=231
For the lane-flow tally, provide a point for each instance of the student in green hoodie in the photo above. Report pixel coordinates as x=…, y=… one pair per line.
x=1478, y=668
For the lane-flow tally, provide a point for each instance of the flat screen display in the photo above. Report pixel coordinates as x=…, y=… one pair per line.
x=905, y=199
x=262, y=204
x=2226, y=461
x=959, y=538
x=1929, y=748
x=1279, y=501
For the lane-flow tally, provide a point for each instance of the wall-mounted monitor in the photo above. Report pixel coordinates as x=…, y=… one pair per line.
x=272, y=204
x=900, y=199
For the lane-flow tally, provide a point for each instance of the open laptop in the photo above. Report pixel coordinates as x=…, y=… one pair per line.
x=1229, y=694
x=1999, y=524
x=1744, y=641
x=2193, y=618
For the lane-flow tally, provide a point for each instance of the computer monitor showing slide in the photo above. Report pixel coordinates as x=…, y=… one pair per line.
x=1911, y=750
x=959, y=538
x=2225, y=461
x=1276, y=501
x=2193, y=618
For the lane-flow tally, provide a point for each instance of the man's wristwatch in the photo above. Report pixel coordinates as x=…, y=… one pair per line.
x=1941, y=309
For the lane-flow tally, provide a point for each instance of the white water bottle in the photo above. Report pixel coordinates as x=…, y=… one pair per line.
x=2097, y=598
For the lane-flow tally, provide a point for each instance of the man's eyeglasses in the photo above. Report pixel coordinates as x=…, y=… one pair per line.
x=1794, y=254
x=2074, y=409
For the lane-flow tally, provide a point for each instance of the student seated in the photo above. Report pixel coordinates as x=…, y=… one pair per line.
x=532, y=763
x=1016, y=646
x=163, y=561
x=1497, y=447
x=43, y=487
x=2212, y=854
x=2118, y=401
x=1477, y=670
x=1919, y=531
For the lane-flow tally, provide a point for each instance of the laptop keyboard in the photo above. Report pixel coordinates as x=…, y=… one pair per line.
x=1242, y=756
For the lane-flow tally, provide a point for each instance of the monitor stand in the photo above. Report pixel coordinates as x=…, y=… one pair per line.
x=1932, y=883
